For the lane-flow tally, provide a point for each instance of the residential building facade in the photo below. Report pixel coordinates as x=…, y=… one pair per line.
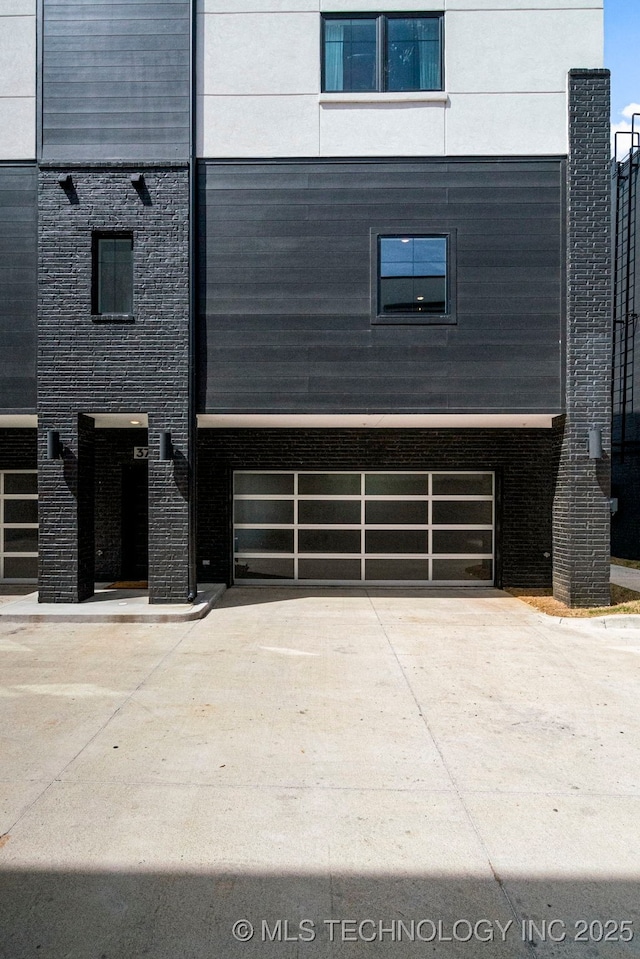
x=305, y=293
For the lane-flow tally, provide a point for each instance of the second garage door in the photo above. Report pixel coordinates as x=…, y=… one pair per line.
x=373, y=527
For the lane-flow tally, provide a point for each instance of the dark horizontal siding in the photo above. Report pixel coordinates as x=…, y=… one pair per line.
x=18, y=287
x=230, y=228
x=116, y=80
x=385, y=174
x=284, y=260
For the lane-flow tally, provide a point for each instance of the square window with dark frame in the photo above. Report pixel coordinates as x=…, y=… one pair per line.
x=381, y=53
x=412, y=275
x=112, y=292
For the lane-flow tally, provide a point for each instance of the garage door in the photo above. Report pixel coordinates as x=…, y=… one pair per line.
x=19, y=526
x=373, y=527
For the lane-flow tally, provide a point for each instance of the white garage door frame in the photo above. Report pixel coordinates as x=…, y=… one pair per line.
x=268, y=550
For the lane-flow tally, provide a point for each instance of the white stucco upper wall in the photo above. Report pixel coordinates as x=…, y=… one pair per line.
x=18, y=8
x=17, y=79
x=506, y=65
x=519, y=51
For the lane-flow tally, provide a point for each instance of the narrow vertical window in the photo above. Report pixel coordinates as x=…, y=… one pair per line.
x=413, y=53
x=350, y=55
x=113, y=274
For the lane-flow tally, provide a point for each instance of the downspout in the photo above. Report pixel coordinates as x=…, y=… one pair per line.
x=192, y=431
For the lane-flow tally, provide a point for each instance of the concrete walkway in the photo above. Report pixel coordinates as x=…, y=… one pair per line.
x=322, y=773
x=19, y=604
x=108, y=605
x=625, y=576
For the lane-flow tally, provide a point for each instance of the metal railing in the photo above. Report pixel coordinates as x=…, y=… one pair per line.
x=625, y=317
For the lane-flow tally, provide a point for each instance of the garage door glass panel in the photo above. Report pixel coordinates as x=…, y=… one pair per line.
x=457, y=513
x=21, y=540
x=329, y=512
x=264, y=511
x=333, y=569
x=463, y=569
x=264, y=540
x=21, y=567
x=397, y=484
x=21, y=511
x=397, y=569
x=462, y=541
x=16, y=483
x=264, y=484
x=264, y=568
x=397, y=541
x=462, y=484
x=329, y=484
x=387, y=513
x=329, y=541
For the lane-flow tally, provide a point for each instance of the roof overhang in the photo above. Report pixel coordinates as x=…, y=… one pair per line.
x=454, y=421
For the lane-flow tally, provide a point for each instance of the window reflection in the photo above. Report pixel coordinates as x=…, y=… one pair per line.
x=413, y=274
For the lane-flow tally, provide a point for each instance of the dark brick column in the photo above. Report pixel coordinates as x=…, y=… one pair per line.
x=92, y=364
x=168, y=510
x=581, y=505
x=66, y=489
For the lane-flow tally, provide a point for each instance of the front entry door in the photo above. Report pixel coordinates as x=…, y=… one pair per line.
x=135, y=521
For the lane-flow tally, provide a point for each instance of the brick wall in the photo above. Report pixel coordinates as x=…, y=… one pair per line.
x=140, y=367
x=64, y=517
x=525, y=461
x=581, y=507
x=18, y=449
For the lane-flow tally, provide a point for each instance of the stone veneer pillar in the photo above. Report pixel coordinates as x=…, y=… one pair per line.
x=581, y=515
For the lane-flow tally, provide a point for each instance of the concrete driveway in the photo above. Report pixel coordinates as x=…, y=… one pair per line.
x=321, y=773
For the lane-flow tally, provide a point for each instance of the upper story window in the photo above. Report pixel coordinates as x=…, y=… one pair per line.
x=112, y=274
x=381, y=52
x=412, y=275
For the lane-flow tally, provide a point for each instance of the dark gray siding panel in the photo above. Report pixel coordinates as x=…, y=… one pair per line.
x=285, y=286
x=18, y=287
x=115, y=80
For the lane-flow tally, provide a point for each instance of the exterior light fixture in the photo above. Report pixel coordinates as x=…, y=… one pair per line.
x=166, y=449
x=135, y=422
x=54, y=446
x=65, y=180
x=137, y=179
x=595, y=443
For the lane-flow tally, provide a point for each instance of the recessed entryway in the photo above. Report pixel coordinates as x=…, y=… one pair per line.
x=135, y=521
x=122, y=499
